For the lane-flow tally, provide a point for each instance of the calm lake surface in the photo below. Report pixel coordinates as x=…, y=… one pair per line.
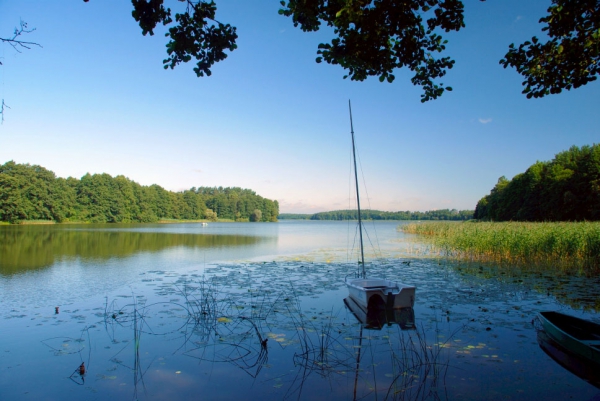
x=256, y=311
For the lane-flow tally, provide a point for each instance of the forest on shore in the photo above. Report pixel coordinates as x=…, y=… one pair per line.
x=443, y=214
x=31, y=192
x=567, y=188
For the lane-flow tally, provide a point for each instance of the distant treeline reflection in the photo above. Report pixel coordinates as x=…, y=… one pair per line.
x=442, y=214
x=34, y=247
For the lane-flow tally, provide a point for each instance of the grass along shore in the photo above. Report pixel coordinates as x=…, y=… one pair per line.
x=573, y=248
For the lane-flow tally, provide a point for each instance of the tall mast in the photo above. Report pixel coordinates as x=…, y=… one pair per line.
x=362, y=253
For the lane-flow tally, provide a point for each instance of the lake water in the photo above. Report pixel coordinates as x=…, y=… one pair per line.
x=256, y=311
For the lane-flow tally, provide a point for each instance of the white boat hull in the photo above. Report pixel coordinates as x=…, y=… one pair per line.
x=394, y=295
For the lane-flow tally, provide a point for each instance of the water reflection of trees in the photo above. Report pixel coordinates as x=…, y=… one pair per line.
x=34, y=247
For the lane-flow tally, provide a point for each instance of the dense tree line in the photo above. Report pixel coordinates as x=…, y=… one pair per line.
x=566, y=188
x=31, y=192
x=444, y=214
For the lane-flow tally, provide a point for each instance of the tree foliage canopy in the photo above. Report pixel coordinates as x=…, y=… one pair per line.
x=564, y=189
x=376, y=37
x=34, y=193
x=373, y=38
x=571, y=56
x=196, y=34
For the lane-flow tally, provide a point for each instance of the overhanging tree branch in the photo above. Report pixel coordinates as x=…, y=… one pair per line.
x=378, y=37
x=196, y=34
x=374, y=38
x=571, y=56
x=4, y=105
x=17, y=44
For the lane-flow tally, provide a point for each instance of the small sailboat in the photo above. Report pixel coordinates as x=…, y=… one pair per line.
x=379, y=291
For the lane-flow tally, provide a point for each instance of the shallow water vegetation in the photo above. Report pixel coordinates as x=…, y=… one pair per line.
x=569, y=247
x=235, y=329
x=221, y=324
x=420, y=368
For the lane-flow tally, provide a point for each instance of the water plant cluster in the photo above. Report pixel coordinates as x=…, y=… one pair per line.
x=234, y=318
x=567, y=247
x=279, y=330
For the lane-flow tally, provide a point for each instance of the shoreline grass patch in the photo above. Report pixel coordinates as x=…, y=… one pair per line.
x=571, y=247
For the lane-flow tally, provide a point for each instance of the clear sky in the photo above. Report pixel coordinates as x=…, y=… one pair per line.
x=96, y=99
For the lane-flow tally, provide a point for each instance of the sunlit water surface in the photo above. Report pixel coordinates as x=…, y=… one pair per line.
x=256, y=311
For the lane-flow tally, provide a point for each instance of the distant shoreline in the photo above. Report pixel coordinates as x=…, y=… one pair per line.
x=372, y=214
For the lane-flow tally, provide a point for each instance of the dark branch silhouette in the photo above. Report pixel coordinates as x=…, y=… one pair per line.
x=2, y=110
x=17, y=44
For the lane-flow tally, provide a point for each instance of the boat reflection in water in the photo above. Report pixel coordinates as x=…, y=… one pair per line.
x=377, y=315
x=579, y=366
x=572, y=342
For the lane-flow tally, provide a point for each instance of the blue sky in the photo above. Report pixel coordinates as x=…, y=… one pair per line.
x=96, y=99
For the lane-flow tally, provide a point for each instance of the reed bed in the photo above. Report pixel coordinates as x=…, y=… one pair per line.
x=572, y=248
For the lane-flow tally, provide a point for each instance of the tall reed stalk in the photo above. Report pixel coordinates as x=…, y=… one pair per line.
x=569, y=247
